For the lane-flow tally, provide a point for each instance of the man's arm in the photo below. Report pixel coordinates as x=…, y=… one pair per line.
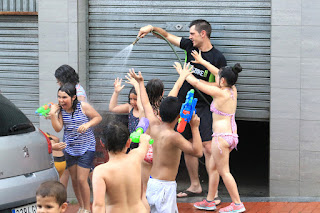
x=99, y=191
x=175, y=40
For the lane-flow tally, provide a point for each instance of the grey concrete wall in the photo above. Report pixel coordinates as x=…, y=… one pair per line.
x=295, y=100
x=62, y=40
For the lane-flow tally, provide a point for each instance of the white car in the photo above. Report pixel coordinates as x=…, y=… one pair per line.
x=25, y=160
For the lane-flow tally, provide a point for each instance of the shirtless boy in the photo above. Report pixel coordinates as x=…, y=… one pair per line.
x=117, y=183
x=167, y=147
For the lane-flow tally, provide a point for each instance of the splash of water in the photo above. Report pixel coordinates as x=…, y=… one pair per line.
x=119, y=62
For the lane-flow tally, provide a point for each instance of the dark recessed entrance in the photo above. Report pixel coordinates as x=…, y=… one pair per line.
x=249, y=165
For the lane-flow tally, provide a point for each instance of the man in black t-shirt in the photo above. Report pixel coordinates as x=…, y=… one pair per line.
x=199, y=40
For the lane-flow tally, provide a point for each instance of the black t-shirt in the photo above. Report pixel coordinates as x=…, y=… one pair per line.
x=213, y=56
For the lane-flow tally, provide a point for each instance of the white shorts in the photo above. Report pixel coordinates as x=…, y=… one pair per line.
x=162, y=196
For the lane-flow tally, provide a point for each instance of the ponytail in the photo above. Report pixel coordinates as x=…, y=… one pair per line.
x=237, y=68
x=230, y=73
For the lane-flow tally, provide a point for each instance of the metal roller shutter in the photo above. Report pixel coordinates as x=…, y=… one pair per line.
x=18, y=5
x=19, y=71
x=241, y=31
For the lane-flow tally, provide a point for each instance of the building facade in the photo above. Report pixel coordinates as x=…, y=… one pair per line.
x=275, y=41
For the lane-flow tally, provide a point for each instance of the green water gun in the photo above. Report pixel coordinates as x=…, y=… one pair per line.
x=44, y=110
x=140, y=129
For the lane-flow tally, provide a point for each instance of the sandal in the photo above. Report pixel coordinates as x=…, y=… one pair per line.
x=189, y=194
x=217, y=199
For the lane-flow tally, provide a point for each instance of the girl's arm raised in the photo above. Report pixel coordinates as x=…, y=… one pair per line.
x=56, y=118
x=92, y=114
x=212, y=69
x=134, y=83
x=210, y=89
x=144, y=97
x=113, y=105
x=199, y=60
x=184, y=73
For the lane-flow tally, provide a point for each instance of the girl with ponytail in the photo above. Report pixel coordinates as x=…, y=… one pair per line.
x=224, y=137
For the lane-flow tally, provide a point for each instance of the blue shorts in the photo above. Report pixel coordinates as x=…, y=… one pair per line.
x=85, y=160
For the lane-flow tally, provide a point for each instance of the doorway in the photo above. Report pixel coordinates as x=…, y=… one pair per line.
x=249, y=165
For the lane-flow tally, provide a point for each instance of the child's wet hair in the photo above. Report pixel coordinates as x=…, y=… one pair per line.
x=170, y=109
x=115, y=136
x=66, y=74
x=230, y=73
x=155, y=88
x=71, y=90
x=132, y=91
x=53, y=189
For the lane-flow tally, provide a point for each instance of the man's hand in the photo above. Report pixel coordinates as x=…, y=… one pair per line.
x=145, y=30
x=195, y=120
x=117, y=85
x=197, y=57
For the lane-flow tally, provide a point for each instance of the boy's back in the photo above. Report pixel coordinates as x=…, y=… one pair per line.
x=117, y=183
x=167, y=147
x=169, y=143
x=166, y=155
x=122, y=177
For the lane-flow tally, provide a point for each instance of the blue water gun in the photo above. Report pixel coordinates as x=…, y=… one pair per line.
x=187, y=110
x=140, y=129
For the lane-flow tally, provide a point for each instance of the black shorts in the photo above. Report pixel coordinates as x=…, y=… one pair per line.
x=205, y=115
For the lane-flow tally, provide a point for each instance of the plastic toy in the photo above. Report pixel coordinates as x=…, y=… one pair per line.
x=44, y=110
x=187, y=110
x=140, y=129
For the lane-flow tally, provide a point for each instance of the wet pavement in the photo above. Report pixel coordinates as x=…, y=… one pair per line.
x=251, y=207
x=254, y=195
